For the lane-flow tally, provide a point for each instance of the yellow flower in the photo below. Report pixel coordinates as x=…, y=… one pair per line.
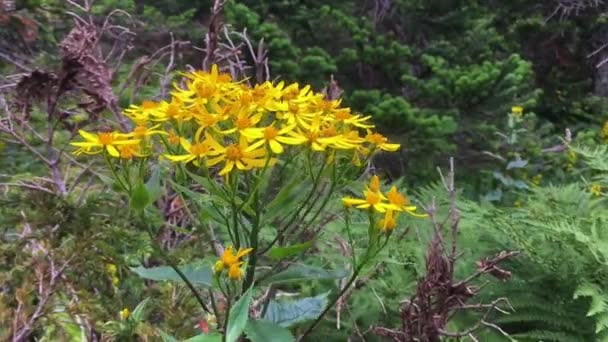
x=240, y=155
x=218, y=267
x=173, y=138
x=344, y=115
x=389, y=222
x=373, y=198
x=194, y=151
x=144, y=112
x=235, y=272
x=374, y=184
x=274, y=137
x=400, y=201
x=142, y=131
x=125, y=313
x=97, y=143
x=596, y=189
x=517, y=204
x=232, y=262
x=229, y=258
x=129, y=151
x=381, y=142
x=517, y=111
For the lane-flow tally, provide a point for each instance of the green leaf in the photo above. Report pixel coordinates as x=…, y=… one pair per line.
x=197, y=274
x=266, y=331
x=140, y=198
x=286, y=198
x=238, y=316
x=139, y=311
x=289, y=312
x=153, y=185
x=517, y=164
x=304, y=272
x=279, y=253
x=205, y=338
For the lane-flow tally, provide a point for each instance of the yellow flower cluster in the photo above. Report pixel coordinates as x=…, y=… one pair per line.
x=215, y=121
x=391, y=204
x=232, y=262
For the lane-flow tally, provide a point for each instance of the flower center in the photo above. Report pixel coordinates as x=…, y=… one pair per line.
x=246, y=99
x=173, y=111
x=173, y=138
x=293, y=107
x=342, y=115
x=372, y=198
x=258, y=93
x=140, y=131
x=243, y=122
x=329, y=132
x=291, y=94
x=147, y=105
x=224, y=78
x=204, y=90
x=105, y=138
x=233, y=152
x=397, y=198
x=270, y=133
x=376, y=138
x=126, y=152
x=199, y=149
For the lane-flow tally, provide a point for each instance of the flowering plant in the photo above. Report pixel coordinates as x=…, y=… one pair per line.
x=259, y=166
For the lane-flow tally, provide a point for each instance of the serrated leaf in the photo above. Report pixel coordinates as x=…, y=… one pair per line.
x=238, y=316
x=278, y=253
x=304, y=272
x=196, y=274
x=289, y=312
x=266, y=331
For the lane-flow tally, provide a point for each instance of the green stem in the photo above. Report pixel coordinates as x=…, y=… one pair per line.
x=173, y=265
x=111, y=167
x=253, y=241
x=297, y=212
x=333, y=302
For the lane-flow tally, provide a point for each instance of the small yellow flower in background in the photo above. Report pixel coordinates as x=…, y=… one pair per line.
x=111, y=268
x=125, y=313
x=604, y=132
x=517, y=111
x=596, y=189
x=537, y=179
x=374, y=199
x=517, y=204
